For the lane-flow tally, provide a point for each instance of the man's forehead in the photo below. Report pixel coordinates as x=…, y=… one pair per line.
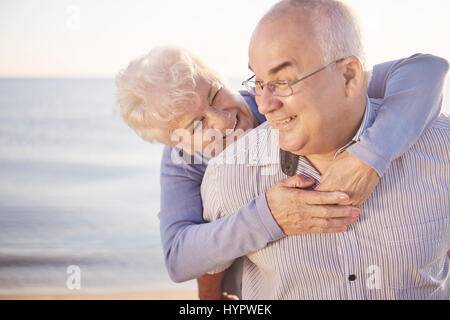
x=272, y=57
x=280, y=48
x=293, y=25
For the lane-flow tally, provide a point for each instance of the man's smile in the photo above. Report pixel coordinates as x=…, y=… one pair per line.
x=284, y=123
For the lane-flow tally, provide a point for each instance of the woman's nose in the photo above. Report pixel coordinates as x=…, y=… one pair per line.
x=219, y=120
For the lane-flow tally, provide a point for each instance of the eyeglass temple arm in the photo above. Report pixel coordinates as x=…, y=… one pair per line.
x=315, y=72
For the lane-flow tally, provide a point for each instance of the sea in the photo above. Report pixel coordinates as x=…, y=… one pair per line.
x=78, y=188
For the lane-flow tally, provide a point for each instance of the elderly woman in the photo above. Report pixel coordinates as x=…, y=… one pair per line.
x=171, y=96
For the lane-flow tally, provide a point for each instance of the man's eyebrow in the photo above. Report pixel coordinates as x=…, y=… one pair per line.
x=278, y=68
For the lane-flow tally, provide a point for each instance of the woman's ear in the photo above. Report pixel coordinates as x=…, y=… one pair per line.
x=354, y=76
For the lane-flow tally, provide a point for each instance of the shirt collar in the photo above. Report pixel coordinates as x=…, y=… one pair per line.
x=368, y=119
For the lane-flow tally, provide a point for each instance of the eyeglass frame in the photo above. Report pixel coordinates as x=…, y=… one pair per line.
x=289, y=83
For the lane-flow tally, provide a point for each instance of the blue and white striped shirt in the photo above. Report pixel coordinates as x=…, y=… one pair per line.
x=397, y=250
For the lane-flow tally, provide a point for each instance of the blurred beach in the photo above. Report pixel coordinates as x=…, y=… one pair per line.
x=78, y=188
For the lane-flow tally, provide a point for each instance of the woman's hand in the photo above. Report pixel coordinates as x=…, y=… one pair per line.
x=352, y=176
x=298, y=210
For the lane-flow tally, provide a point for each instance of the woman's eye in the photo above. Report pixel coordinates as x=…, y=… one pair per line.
x=213, y=100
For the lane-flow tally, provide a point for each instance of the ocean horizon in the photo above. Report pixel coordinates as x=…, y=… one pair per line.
x=77, y=187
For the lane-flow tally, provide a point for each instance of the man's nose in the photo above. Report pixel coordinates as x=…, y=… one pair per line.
x=267, y=102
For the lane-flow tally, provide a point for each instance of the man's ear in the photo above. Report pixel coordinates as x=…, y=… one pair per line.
x=354, y=76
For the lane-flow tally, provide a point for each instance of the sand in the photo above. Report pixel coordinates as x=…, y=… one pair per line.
x=152, y=295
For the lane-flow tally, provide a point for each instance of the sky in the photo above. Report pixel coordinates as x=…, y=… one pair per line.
x=80, y=38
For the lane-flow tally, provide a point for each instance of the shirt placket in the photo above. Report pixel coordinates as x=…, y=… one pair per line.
x=354, y=277
x=350, y=254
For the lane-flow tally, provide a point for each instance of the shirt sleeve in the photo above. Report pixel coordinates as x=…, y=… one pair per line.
x=412, y=93
x=193, y=247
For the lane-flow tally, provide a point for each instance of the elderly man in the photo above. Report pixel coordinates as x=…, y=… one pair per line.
x=311, y=84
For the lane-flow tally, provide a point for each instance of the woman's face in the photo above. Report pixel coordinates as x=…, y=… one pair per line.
x=221, y=117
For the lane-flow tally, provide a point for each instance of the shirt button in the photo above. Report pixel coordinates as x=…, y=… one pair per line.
x=352, y=277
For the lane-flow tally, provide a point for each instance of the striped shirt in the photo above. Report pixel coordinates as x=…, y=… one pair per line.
x=397, y=249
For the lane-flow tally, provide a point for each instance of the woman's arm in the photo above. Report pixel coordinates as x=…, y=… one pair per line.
x=412, y=92
x=190, y=245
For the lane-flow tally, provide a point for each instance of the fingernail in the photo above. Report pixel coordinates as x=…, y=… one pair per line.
x=344, y=197
x=353, y=220
x=344, y=229
x=356, y=212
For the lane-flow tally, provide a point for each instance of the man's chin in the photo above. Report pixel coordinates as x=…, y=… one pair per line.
x=292, y=148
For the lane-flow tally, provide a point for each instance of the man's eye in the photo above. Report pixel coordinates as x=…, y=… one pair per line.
x=282, y=84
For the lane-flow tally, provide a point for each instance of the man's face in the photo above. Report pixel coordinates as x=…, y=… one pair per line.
x=310, y=120
x=220, y=117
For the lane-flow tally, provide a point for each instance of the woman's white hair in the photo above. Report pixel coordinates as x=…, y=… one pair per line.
x=156, y=89
x=336, y=26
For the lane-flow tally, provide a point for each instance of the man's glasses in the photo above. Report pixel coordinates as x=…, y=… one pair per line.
x=279, y=88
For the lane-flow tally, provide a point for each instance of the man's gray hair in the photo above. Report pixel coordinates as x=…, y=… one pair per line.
x=336, y=26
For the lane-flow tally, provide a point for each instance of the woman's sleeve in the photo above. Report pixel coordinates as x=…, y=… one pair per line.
x=412, y=93
x=193, y=247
